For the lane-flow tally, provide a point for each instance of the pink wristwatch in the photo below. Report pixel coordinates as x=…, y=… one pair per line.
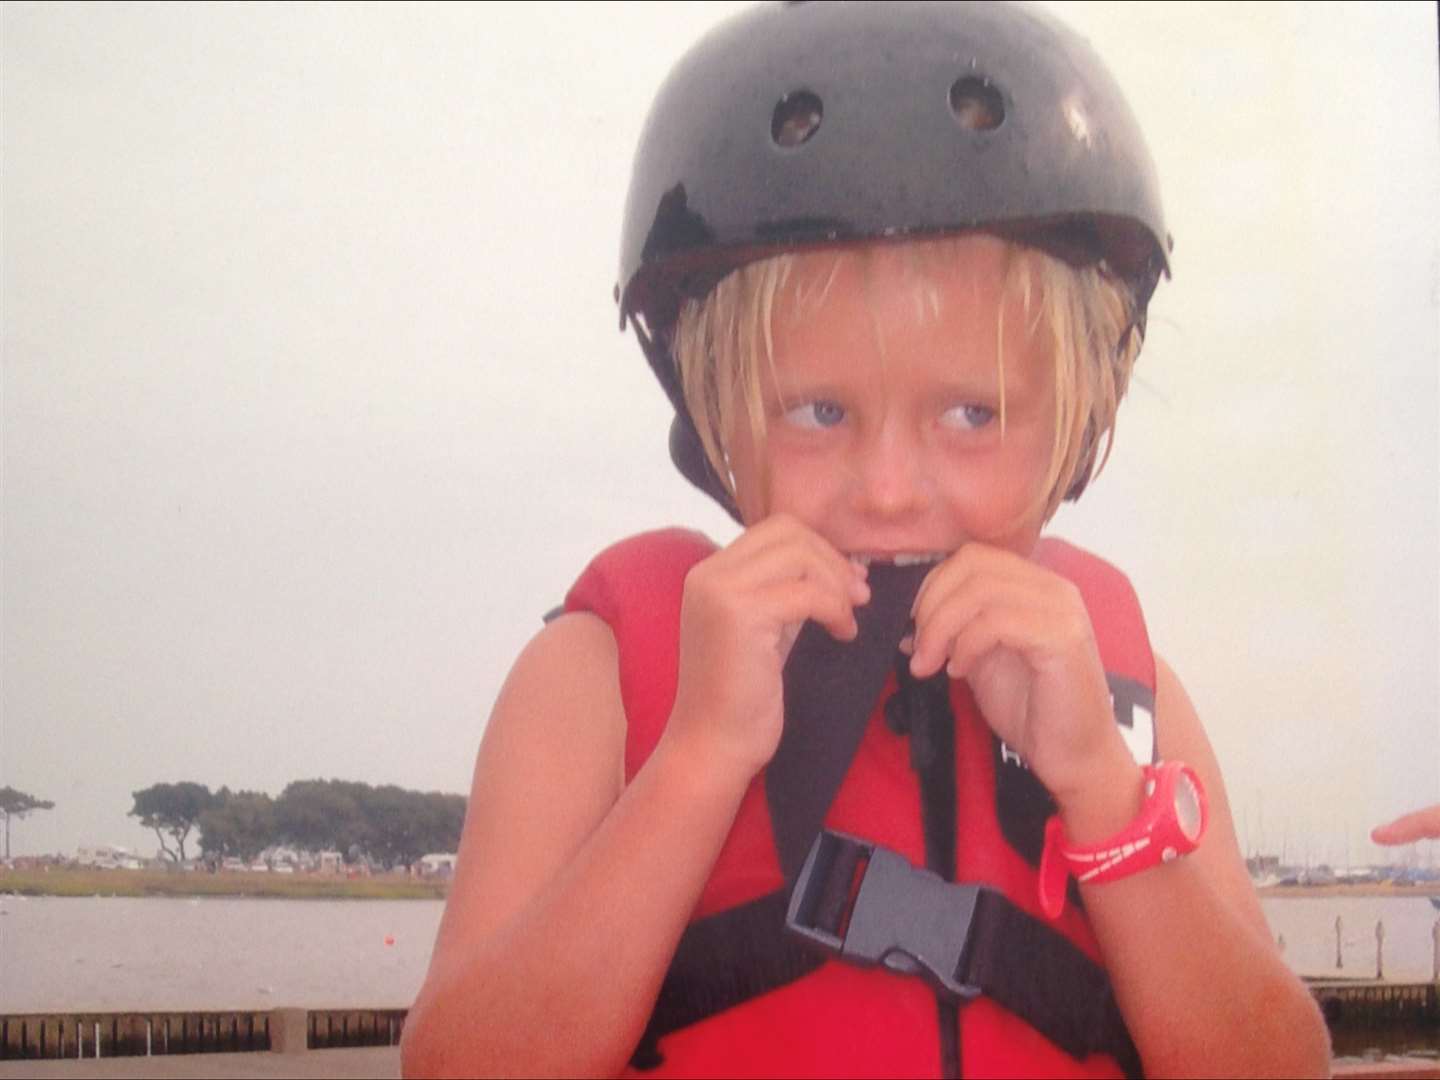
x=1170, y=824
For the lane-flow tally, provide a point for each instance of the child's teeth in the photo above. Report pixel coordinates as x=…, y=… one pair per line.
x=913, y=558
x=916, y=559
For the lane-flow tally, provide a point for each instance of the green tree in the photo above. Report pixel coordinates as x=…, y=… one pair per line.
x=239, y=823
x=388, y=824
x=444, y=818
x=391, y=823
x=172, y=809
x=404, y=825
x=16, y=804
x=322, y=815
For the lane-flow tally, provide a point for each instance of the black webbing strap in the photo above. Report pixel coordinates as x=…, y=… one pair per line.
x=1041, y=976
x=830, y=690
x=921, y=710
x=724, y=960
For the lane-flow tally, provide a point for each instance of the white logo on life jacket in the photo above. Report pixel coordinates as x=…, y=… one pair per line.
x=1134, y=711
x=1139, y=736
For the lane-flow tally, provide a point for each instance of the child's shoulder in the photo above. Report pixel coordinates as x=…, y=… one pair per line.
x=1085, y=568
x=656, y=550
x=639, y=570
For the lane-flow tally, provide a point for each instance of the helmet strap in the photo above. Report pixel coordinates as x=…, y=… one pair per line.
x=686, y=450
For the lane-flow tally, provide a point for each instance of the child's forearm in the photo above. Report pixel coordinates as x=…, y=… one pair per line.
x=1203, y=989
x=1202, y=992
x=566, y=986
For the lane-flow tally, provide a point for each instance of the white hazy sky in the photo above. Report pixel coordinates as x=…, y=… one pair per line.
x=313, y=397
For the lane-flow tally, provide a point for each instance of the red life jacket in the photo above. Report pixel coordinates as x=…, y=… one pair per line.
x=844, y=1020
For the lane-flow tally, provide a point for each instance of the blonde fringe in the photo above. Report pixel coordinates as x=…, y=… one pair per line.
x=726, y=343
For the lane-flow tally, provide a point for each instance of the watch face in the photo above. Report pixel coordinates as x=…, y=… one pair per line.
x=1187, y=807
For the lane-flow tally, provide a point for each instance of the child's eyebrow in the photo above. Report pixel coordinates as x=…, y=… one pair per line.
x=798, y=387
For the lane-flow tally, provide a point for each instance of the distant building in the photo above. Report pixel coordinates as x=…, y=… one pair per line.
x=108, y=857
x=283, y=859
x=439, y=865
x=331, y=862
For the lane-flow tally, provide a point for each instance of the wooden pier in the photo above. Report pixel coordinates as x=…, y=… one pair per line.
x=1373, y=1022
x=35, y=1036
x=1370, y=1001
x=1374, y=1027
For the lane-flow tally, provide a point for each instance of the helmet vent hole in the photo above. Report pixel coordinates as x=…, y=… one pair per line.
x=797, y=117
x=977, y=105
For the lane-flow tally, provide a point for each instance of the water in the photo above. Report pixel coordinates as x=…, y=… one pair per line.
x=104, y=954
x=1308, y=926
x=122, y=954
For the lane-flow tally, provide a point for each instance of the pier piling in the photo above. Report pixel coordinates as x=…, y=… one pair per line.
x=1380, y=949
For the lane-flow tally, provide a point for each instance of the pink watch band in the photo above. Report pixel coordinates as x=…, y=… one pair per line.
x=1171, y=822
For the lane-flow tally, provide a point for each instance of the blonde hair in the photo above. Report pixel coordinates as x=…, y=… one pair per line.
x=724, y=346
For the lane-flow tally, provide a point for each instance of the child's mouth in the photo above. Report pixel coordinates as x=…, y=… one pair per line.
x=903, y=558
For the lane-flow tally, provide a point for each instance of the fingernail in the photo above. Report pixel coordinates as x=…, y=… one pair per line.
x=907, y=644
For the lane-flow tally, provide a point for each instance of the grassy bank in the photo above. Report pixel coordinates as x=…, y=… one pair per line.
x=1384, y=888
x=81, y=882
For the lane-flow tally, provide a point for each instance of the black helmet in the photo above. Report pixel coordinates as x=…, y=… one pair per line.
x=796, y=124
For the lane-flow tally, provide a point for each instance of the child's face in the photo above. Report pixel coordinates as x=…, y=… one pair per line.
x=883, y=416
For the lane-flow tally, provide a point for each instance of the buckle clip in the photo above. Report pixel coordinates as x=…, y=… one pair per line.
x=869, y=905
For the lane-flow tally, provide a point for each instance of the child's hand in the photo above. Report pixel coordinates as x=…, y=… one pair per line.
x=742, y=610
x=1021, y=636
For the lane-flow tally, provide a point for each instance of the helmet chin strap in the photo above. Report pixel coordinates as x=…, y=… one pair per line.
x=686, y=450
x=689, y=457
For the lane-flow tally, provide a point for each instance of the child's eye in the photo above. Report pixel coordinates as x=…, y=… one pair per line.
x=815, y=414
x=967, y=417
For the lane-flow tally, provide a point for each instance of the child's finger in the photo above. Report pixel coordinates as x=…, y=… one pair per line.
x=791, y=603
x=785, y=553
x=971, y=561
x=945, y=615
x=992, y=627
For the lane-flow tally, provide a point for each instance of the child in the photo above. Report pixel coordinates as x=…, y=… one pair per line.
x=891, y=262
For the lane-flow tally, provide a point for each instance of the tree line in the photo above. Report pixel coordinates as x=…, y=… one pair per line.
x=385, y=825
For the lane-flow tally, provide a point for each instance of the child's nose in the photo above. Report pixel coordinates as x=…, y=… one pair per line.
x=893, y=484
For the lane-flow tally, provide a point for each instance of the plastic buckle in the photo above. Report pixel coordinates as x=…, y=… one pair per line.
x=906, y=918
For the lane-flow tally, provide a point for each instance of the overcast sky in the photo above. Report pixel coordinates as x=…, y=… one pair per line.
x=314, y=401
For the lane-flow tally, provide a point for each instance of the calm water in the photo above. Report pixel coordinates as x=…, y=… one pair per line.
x=74, y=954
x=1308, y=926
x=121, y=954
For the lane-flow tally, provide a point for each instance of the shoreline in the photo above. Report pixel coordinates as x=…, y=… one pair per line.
x=61, y=882
x=1387, y=890
x=66, y=882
